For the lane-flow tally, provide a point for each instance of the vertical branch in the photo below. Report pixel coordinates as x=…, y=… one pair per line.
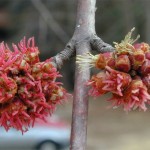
x=85, y=28
x=83, y=41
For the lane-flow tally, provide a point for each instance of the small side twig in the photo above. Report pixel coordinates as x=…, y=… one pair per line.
x=69, y=51
x=96, y=44
x=64, y=55
x=99, y=45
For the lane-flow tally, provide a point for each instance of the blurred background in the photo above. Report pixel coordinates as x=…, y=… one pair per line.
x=52, y=23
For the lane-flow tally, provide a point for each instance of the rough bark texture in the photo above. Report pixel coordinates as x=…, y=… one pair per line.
x=64, y=55
x=85, y=28
x=84, y=40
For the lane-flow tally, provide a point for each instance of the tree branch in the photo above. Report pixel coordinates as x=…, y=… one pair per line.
x=65, y=55
x=99, y=45
x=94, y=41
x=85, y=27
x=84, y=40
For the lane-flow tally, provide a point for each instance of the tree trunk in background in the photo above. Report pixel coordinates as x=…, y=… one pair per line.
x=85, y=28
x=84, y=39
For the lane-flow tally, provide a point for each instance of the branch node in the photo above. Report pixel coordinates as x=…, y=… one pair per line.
x=99, y=45
x=64, y=55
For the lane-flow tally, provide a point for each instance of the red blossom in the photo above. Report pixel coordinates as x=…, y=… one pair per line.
x=142, y=46
x=105, y=59
x=135, y=96
x=116, y=81
x=45, y=70
x=8, y=89
x=15, y=115
x=54, y=92
x=137, y=59
x=97, y=84
x=28, y=87
x=125, y=73
x=29, y=50
x=145, y=68
x=123, y=63
x=147, y=55
x=146, y=81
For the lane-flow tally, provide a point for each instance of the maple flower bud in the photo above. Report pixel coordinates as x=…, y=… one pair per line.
x=146, y=81
x=99, y=61
x=8, y=88
x=135, y=96
x=105, y=59
x=123, y=63
x=116, y=81
x=57, y=95
x=29, y=50
x=145, y=68
x=125, y=74
x=45, y=70
x=125, y=47
x=29, y=89
x=97, y=84
x=142, y=46
x=137, y=59
x=14, y=115
x=18, y=66
x=147, y=55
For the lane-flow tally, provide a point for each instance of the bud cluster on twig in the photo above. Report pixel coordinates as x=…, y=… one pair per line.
x=28, y=87
x=125, y=73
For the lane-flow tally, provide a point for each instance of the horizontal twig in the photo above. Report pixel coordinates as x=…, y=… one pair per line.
x=64, y=55
x=99, y=45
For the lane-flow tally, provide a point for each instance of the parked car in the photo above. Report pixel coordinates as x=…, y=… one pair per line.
x=53, y=135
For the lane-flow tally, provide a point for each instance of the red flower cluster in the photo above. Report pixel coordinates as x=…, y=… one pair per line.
x=127, y=77
x=126, y=74
x=28, y=87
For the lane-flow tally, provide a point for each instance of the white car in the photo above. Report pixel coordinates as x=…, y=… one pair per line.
x=53, y=135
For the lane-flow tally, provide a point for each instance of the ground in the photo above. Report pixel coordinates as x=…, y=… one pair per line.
x=113, y=129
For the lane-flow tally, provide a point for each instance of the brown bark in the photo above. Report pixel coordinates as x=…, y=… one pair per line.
x=84, y=40
x=85, y=28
